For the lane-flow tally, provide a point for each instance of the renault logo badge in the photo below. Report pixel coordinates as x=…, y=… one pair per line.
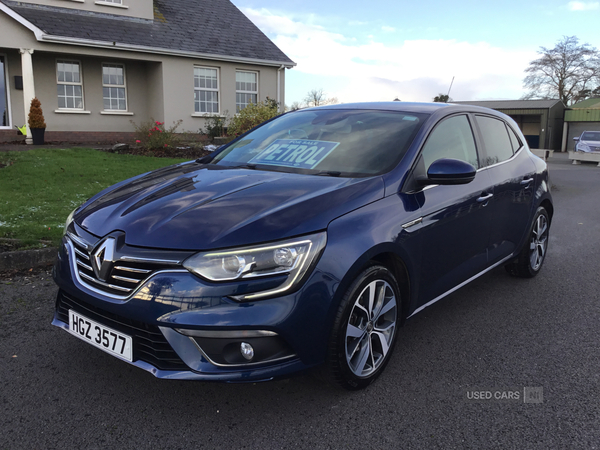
x=103, y=258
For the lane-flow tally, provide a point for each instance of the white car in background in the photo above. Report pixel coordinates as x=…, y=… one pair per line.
x=589, y=141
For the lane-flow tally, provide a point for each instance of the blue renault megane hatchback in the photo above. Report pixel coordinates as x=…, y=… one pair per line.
x=305, y=242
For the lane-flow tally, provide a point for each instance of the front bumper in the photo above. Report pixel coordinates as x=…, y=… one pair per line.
x=171, y=301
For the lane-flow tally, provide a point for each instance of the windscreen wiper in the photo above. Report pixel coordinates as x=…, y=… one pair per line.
x=329, y=173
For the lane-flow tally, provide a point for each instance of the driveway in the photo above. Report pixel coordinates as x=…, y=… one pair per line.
x=498, y=337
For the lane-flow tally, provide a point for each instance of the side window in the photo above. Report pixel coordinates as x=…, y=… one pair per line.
x=452, y=138
x=498, y=146
x=514, y=140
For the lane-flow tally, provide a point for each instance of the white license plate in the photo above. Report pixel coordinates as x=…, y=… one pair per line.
x=107, y=339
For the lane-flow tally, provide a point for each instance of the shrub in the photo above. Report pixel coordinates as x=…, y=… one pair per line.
x=252, y=115
x=215, y=126
x=36, y=116
x=153, y=134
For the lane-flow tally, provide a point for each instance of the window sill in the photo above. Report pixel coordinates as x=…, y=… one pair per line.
x=78, y=1
x=114, y=5
x=116, y=113
x=71, y=111
x=206, y=115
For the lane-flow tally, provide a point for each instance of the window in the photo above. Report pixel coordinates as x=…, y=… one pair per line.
x=113, y=87
x=206, y=90
x=514, y=140
x=452, y=138
x=498, y=146
x=69, y=85
x=246, y=89
x=118, y=2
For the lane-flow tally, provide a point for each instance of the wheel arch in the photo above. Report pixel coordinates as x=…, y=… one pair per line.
x=547, y=205
x=388, y=256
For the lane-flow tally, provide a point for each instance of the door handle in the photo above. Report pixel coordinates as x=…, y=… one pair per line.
x=526, y=181
x=484, y=197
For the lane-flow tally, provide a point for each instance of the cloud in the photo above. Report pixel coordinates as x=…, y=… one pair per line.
x=367, y=69
x=388, y=29
x=583, y=6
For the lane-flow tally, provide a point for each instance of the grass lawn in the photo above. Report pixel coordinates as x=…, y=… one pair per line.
x=40, y=187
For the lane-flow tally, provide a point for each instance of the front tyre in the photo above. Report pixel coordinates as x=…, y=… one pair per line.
x=364, y=331
x=533, y=254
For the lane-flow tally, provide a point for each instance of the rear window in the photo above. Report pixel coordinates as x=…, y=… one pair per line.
x=352, y=142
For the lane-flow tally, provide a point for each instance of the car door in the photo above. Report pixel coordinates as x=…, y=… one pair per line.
x=512, y=173
x=456, y=220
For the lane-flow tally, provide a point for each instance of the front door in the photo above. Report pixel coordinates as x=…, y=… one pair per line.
x=456, y=222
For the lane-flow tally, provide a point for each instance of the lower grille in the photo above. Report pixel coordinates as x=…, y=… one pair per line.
x=149, y=344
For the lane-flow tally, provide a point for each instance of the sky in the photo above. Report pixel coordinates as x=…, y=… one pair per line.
x=379, y=50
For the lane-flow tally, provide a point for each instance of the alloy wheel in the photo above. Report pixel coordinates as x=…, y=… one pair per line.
x=539, y=242
x=371, y=328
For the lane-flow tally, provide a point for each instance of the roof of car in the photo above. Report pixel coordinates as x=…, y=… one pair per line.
x=414, y=107
x=512, y=104
x=199, y=26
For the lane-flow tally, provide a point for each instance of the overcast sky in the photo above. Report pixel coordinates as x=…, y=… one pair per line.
x=378, y=50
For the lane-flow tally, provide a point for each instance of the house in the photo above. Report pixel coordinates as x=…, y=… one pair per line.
x=582, y=116
x=96, y=65
x=541, y=121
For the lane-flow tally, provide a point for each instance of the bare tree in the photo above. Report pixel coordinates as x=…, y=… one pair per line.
x=317, y=97
x=442, y=98
x=567, y=71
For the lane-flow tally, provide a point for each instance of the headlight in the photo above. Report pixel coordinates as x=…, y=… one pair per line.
x=292, y=257
x=69, y=220
x=583, y=147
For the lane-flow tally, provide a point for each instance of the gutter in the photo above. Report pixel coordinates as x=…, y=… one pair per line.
x=281, y=107
x=159, y=51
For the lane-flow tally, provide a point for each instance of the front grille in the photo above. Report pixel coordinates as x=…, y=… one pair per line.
x=149, y=344
x=131, y=267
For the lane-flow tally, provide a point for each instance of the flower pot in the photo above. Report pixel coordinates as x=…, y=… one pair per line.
x=37, y=135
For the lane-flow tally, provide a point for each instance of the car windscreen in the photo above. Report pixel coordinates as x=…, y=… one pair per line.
x=591, y=136
x=350, y=143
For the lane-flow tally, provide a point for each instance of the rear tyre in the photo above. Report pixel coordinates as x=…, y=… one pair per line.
x=532, y=256
x=364, y=332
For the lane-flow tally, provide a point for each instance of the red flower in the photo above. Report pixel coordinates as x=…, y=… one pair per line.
x=166, y=145
x=137, y=141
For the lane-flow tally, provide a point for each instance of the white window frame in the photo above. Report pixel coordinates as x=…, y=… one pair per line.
x=71, y=83
x=7, y=87
x=122, y=86
x=237, y=108
x=113, y=3
x=217, y=90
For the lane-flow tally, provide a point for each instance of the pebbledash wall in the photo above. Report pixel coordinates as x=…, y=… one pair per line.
x=159, y=87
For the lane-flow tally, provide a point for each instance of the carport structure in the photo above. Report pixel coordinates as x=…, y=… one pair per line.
x=541, y=121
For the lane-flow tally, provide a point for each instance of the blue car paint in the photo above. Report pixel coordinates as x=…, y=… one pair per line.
x=231, y=207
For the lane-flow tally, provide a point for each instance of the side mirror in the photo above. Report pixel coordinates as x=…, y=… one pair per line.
x=575, y=138
x=447, y=171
